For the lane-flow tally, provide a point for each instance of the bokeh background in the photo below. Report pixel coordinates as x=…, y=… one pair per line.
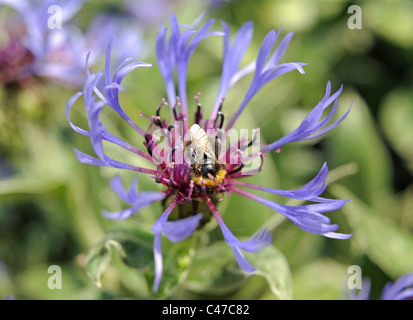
x=50, y=204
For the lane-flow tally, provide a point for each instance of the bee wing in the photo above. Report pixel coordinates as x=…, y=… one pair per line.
x=210, y=152
x=200, y=141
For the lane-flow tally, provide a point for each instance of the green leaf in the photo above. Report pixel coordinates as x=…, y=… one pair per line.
x=32, y=283
x=224, y=276
x=273, y=266
x=322, y=279
x=385, y=242
x=357, y=140
x=399, y=12
x=215, y=271
x=396, y=118
x=135, y=247
x=177, y=259
x=21, y=186
x=99, y=259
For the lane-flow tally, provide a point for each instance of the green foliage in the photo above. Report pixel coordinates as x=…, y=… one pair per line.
x=134, y=246
x=381, y=238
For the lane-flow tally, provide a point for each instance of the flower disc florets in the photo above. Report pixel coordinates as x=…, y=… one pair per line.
x=196, y=162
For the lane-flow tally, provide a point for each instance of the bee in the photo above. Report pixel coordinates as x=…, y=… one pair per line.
x=206, y=171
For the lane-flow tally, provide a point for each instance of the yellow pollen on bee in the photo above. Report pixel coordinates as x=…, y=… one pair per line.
x=219, y=177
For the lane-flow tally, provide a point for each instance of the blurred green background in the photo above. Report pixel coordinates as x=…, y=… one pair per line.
x=50, y=204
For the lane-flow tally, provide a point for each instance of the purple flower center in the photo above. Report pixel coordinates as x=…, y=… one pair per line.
x=194, y=161
x=15, y=60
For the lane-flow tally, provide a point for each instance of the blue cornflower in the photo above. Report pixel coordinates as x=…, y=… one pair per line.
x=191, y=162
x=401, y=289
x=35, y=49
x=38, y=47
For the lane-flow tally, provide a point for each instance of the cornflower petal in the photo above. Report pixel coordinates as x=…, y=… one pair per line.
x=137, y=200
x=401, y=289
x=105, y=135
x=242, y=261
x=260, y=239
x=267, y=68
x=129, y=197
x=175, y=231
x=256, y=242
x=157, y=253
x=157, y=244
x=179, y=230
x=166, y=64
x=232, y=59
x=112, y=87
x=279, y=52
x=98, y=133
x=308, y=192
x=87, y=159
x=311, y=127
x=306, y=217
x=68, y=107
x=175, y=55
x=145, y=199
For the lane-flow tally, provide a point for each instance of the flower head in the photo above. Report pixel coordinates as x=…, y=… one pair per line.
x=193, y=160
x=43, y=42
x=37, y=47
